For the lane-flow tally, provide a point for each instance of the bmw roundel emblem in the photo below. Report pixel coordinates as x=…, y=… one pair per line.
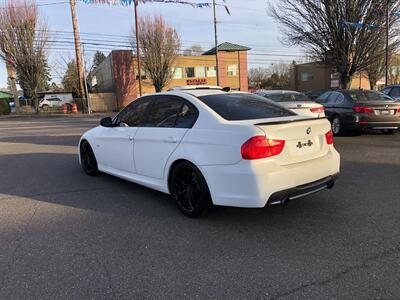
x=308, y=130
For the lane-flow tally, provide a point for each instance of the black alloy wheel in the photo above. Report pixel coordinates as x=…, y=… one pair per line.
x=189, y=189
x=88, y=160
x=337, y=126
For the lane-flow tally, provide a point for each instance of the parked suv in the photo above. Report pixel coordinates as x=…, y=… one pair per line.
x=55, y=101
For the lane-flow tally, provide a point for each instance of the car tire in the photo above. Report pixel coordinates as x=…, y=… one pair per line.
x=337, y=126
x=389, y=131
x=189, y=189
x=45, y=107
x=88, y=159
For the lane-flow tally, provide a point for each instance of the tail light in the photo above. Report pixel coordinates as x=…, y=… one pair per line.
x=398, y=110
x=317, y=110
x=363, y=110
x=261, y=147
x=329, y=137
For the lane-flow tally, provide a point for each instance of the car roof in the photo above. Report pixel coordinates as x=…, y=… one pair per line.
x=194, y=87
x=270, y=92
x=198, y=93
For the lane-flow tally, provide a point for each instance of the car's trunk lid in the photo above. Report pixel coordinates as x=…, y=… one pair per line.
x=304, y=138
x=303, y=108
x=381, y=107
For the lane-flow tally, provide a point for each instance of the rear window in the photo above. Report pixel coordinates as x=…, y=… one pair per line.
x=362, y=96
x=287, y=97
x=236, y=107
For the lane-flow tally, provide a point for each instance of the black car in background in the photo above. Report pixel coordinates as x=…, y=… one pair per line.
x=354, y=110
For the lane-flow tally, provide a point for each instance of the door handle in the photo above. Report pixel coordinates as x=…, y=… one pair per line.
x=170, y=139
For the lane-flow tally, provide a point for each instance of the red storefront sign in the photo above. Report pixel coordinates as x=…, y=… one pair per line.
x=197, y=81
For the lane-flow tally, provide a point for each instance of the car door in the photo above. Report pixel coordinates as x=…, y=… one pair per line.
x=114, y=145
x=55, y=102
x=166, y=122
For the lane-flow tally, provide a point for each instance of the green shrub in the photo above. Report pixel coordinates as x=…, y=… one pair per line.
x=4, y=107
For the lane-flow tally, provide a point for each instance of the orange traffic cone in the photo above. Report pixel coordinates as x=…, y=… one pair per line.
x=74, y=108
x=65, y=108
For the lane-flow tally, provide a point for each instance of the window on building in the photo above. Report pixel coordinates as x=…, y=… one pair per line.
x=177, y=73
x=189, y=72
x=142, y=74
x=211, y=71
x=306, y=76
x=200, y=72
x=232, y=70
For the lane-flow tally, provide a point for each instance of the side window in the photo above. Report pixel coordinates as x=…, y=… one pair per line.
x=324, y=97
x=395, y=92
x=339, y=99
x=163, y=112
x=386, y=90
x=187, y=117
x=332, y=98
x=133, y=113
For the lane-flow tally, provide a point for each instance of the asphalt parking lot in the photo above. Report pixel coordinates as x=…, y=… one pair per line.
x=66, y=235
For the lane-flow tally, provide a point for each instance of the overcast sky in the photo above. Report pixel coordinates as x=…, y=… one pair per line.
x=249, y=25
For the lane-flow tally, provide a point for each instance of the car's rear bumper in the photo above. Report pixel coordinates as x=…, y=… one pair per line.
x=362, y=121
x=254, y=183
x=302, y=190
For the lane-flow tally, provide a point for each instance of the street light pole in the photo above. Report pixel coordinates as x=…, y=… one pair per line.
x=137, y=48
x=216, y=40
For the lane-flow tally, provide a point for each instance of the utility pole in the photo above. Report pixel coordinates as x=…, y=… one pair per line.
x=138, y=48
x=78, y=54
x=387, y=43
x=216, y=40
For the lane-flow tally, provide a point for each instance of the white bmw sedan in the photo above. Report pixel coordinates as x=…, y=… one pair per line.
x=206, y=146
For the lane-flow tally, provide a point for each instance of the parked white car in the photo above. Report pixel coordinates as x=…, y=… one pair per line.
x=213, y=147
x=56, y=100
x=295, y=101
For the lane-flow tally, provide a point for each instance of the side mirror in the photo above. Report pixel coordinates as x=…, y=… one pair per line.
x=106, y=122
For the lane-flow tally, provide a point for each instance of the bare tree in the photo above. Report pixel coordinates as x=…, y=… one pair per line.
x=160, y=45
x=23, y=38
x=258, y=77
x=339, y=33
x=195, y=50
x=376, y=70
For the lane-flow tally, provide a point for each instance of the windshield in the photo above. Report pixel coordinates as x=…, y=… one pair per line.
x=287, y=97
x=235, y=107
x=362, y=96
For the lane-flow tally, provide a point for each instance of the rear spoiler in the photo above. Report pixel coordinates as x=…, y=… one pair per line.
x=289, y=121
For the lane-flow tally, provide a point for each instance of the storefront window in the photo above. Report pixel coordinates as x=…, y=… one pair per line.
x=211, y=72
x=232, y=70
x=177, y=73
x=190, y=72
x=200, y=72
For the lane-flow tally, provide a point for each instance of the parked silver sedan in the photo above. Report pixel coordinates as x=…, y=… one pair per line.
x=295, y=101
